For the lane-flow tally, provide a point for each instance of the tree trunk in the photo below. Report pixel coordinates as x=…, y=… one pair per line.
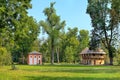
x=110, y=55
x=52, y=54
x=57, y=52
x=23, y=61
x=111, y=61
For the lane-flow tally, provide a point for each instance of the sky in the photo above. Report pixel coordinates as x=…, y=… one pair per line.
x=72, y=11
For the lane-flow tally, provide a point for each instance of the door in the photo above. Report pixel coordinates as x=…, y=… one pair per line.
x=35, y=60
x=39, y=61
x=94, y=62
x=30, y=60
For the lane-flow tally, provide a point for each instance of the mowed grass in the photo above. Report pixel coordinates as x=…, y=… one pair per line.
x=60, y=72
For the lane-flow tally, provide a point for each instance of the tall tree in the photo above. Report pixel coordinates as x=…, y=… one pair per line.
x=25, y=35
x=17, y=28
x=83, y=38
x=10, y=12
x=105, y=15
x=52, y=26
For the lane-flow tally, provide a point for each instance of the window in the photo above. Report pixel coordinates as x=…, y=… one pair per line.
x=35, y=56
x=101, y=55
x=39, y=56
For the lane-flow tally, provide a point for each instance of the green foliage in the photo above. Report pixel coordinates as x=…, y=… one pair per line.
x=17, y=30
x=83, y=38
x=5, y=57
x=67, y=46
x=105, y=22
x=25, y=35
x=45, y=50
x=63, y=44
x=70, y=45
x=36, y=45
x=69, y=51
x=117, y=59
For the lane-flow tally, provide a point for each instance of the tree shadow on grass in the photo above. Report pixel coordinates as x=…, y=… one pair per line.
x=67, y=78
x=93, y=71
x=78, y=69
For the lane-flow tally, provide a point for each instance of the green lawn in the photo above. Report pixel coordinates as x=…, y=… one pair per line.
x=60, y=72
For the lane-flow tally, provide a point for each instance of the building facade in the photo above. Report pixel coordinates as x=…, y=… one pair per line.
x=90, y=57
x=34, y=58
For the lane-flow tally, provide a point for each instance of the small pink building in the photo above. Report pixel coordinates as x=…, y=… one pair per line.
x=34, y=58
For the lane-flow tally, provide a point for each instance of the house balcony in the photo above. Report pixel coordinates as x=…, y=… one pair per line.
x=94, y=57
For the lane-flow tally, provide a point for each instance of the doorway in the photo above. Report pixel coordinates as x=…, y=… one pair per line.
x=94, y=62
x=39, y=61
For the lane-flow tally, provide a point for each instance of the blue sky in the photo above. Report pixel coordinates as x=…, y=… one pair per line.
x=72, y=11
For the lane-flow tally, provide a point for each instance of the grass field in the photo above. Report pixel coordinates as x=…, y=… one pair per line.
x=60, y=72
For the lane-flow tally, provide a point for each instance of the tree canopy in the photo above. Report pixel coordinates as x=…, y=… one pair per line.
x=17, y=29
x=105, y=22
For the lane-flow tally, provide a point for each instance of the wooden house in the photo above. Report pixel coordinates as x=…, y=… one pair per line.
x=91, y=57
x=34, y=58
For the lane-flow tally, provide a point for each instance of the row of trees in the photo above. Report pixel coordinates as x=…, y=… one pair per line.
x=105, y=18
x=66, y=45
x=19, y=32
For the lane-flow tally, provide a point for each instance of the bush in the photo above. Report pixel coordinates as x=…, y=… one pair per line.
x=5, y=57
x=69, y=51
x=13, y=67
x=117, y=59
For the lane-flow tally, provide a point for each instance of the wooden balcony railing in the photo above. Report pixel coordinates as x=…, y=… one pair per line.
x=93, y=57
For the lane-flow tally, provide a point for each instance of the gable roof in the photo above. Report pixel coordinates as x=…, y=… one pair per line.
x=87, y=51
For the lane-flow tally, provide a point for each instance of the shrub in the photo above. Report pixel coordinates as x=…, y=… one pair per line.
x=117, y=59
x=5, y=57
